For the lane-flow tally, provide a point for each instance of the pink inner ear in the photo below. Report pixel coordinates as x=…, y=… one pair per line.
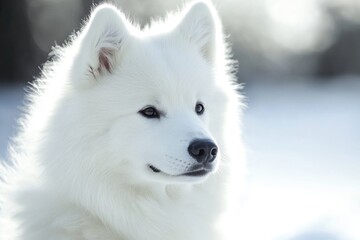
x=105, y=56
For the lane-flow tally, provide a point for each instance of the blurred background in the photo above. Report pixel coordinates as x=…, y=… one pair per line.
x=300, y=63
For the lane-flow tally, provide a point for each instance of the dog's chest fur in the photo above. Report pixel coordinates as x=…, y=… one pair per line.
x=181, y=214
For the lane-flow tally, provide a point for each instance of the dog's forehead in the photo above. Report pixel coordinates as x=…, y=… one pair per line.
x=170, y=64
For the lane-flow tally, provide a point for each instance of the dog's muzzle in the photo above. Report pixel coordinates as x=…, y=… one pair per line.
x=204, y=151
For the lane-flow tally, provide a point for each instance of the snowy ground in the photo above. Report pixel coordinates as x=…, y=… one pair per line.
x=304, y=158
x=304, y=161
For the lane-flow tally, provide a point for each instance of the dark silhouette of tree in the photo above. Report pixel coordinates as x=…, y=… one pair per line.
x=19, y=54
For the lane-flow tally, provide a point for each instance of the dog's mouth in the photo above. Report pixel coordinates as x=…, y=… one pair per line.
x=198, y=171
x=154, y=169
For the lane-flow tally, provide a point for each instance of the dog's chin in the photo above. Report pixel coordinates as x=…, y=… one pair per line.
x=193, y=176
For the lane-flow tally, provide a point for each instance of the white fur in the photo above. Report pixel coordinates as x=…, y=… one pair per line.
x=82, y=157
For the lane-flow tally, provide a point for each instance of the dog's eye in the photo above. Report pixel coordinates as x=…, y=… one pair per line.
x=150, y=112
x=199, y=108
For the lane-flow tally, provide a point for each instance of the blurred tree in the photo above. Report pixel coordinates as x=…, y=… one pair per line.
x=343, y=57
x=19, y=53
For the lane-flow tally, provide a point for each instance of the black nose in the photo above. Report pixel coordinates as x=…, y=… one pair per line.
x=203, y=150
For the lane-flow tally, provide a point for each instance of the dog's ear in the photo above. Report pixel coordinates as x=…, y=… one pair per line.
x=201, y=27
x=101, y=42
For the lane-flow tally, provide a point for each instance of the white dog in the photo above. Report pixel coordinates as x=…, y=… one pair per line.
x=129, y=135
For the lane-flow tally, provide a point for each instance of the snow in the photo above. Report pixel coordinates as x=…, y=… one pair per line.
x=303, y=142
x=304, y=160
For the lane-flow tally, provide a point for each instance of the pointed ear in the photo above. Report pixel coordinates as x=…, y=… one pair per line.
x=201, y=27
x=101, y=42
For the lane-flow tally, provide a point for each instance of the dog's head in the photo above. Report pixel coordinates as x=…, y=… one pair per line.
x=156, y=97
